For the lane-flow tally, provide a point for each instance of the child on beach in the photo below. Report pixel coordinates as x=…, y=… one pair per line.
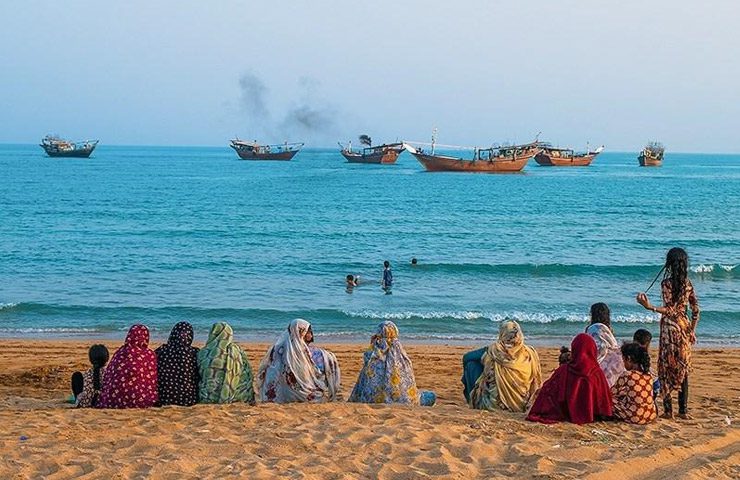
x=609, y=355
x=633, y=391
x=86, y=386
x=677, y=333
x=644, y=337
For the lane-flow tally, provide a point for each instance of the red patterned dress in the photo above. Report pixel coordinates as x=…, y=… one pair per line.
x=633, y=398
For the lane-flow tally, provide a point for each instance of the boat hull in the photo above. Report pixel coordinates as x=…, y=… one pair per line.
x=434, y=163
x=646, y=161
x=77, y=153
x=277, y=156
x=547, y=160
x=388, y=157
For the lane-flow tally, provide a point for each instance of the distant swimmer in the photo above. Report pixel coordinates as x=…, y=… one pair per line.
x=387, y=281
x=413, y=262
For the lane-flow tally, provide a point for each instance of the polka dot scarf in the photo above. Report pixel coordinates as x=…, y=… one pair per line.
x=177, y=368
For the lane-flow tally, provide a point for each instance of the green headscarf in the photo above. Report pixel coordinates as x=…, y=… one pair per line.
x=225, y=373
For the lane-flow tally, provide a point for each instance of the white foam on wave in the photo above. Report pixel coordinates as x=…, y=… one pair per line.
x=49, y=330
x=6, y=306
x=702, y=268
x=709, y=268
x=522, y=317
x=727, y=268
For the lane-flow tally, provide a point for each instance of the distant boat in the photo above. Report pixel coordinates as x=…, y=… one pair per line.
x=506, y=159
x=254, y=151
x=386, y=154
x=651, y=155
x=565, y=157
x=57, y=147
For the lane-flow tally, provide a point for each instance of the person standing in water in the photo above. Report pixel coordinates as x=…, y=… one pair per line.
x=677, y=333
x=387, y=281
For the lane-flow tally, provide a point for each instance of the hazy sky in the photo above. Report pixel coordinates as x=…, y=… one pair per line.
x=617, y=72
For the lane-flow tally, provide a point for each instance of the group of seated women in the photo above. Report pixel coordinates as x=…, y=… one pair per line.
x=292, y=370
x=596, y=380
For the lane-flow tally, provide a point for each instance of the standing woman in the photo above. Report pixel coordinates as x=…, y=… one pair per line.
x=225, y=373
x=677, y=333
x=177, y=368
x=131, y=376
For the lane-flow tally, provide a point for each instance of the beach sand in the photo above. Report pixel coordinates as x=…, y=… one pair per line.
x=42, y=437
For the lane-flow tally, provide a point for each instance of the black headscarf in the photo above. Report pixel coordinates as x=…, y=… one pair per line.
x=177, y=368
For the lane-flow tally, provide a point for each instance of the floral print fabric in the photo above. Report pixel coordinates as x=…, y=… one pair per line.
x=633, y=398
x=288, y=373
x=387, y=375
x=674, y=349
x=511, y=373
x=225, y=373
x=87, y=397
x=131, y=376
x=609, y=352
x=177, y=368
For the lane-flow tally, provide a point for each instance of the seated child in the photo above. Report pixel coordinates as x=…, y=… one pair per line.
x=632, y=393
x=564, y=356
x=86, y=386
x=644, y=337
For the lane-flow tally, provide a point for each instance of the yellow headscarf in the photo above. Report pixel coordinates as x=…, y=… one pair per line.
x=511, y=373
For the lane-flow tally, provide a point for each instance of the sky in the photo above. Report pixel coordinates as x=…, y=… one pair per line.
x=618, y=73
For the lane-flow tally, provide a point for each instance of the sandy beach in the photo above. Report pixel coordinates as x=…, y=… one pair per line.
x=42, y=437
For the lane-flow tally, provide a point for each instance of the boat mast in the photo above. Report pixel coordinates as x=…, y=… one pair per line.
x=434, y=139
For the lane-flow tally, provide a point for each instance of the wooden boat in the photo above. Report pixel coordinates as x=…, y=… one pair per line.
x=651, y=155
x=386, y=154
x=565, y=157
x=57, y=147
x=507, y=159
x=254, y=151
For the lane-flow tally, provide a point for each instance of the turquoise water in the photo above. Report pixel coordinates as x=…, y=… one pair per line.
x=157, y=235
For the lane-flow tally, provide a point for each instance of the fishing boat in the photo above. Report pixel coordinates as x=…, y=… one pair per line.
x=254, y=151
x=57, y=147
x=651, y=155
x=503, y=159
x=386, y=154
x=565, y=157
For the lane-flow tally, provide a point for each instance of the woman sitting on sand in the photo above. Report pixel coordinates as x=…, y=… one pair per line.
x=291, y=371
x=224, y=369
x=633, y=391
x=86, y=386
x=177, y=368
x=387, y=375
x=511, y=373
x=677, y=333
x=131, y=376
x=577, y=391
x=609, y=355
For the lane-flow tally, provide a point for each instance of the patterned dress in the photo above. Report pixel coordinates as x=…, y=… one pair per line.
x=674, y=349
x=224, y=369
x=131, y=375
x=288, y=372
x=88, y=395
x=633, y=398
x=177, y=368
x=609, y=352
x=387, y=375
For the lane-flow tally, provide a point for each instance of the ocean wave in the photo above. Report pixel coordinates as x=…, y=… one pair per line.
x=712, y=267
x=7, y=306
x=521, y=317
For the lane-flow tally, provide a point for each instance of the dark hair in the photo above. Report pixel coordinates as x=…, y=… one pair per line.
x=638, y=354
x=413, y=261
x=98, y=355
x=387, y=264
x=676, y=271
x=643, y=337
x=600, y=314
x=350, y=277
x=564, y=356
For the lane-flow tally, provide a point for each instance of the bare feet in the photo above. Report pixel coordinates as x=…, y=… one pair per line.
x=685, y=416
x=667, y=416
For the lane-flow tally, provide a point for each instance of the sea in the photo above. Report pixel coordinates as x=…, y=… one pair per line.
x=157, y=235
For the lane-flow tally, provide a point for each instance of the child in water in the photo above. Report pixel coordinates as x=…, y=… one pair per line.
x=86, y=386
x=387, y=281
